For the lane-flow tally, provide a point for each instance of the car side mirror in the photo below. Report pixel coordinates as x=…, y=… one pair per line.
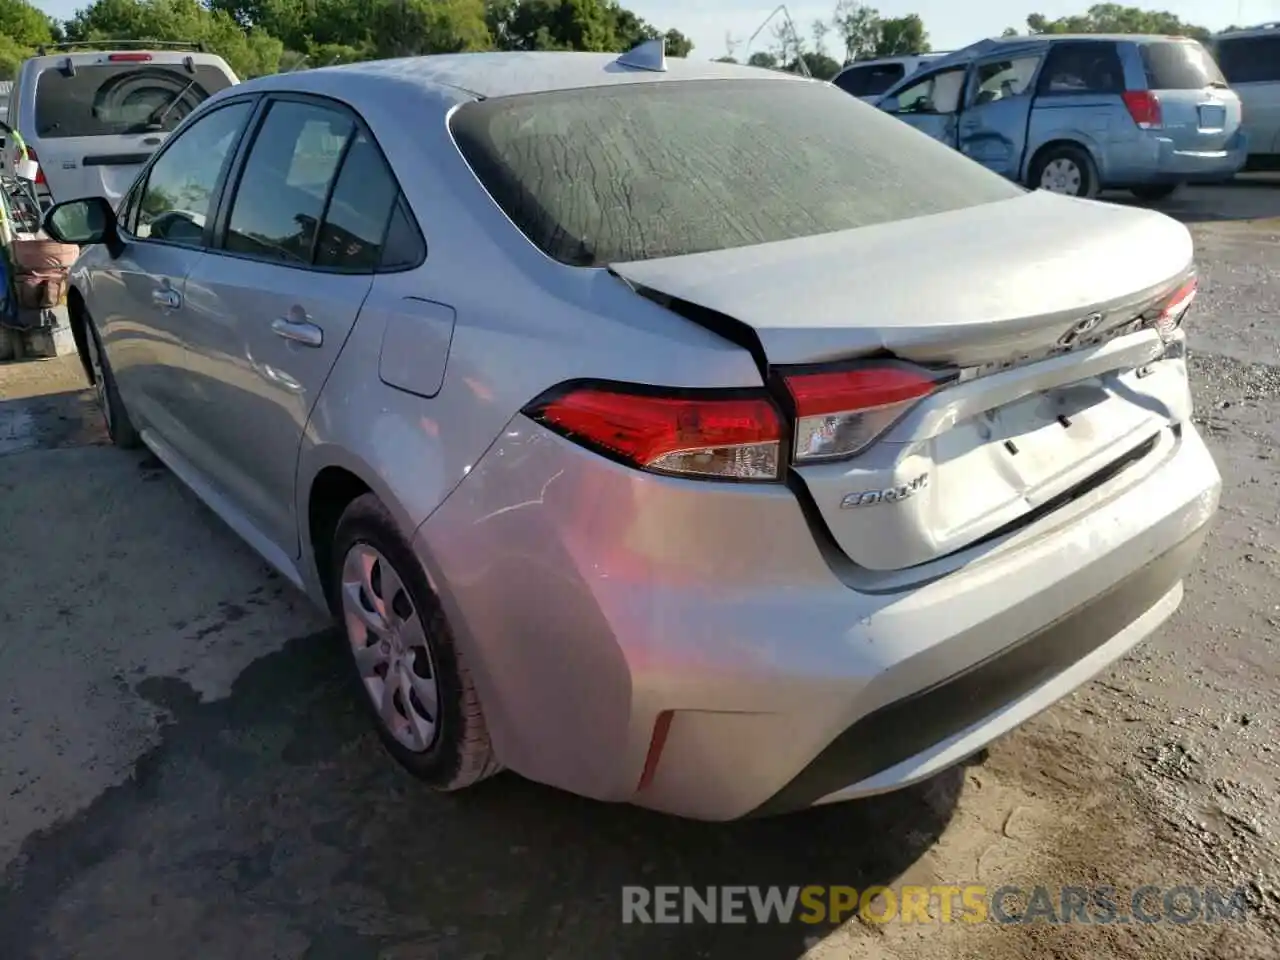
x=889, y=104
x=82, y=222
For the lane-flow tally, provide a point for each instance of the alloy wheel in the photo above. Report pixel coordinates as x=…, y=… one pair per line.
x=389, y=644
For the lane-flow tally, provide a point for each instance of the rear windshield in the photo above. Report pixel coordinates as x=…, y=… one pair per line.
x=99, y=100
x=661, y=169
x=1180, y=65
x=1250, y=59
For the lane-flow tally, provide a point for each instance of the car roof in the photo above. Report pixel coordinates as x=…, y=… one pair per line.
x=1257, y=30
x=487, y=75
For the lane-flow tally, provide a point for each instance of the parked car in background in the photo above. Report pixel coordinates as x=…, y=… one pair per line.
x=91, y=118
x=869, y=79
x=1076, y=114
x=1250, y=60
x=729, y=488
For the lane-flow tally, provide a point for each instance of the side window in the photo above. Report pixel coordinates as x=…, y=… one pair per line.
x=178, y=196
x=404, y=247
x=1075, y=68
x=281, y=194
x=356, y=222
x=1002, y=79
x=869, y=81
x=937, y=93
x=854, y=80
x=1250, y=59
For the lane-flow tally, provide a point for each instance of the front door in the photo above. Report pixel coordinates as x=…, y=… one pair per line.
x=272, y=306
x=998, y=99
x=141, y=294
x=931, y=104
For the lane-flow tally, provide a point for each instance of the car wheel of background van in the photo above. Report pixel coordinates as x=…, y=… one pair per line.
x=1065, y=169
x=404, y=656
x=1157, y=191
x=119, y=426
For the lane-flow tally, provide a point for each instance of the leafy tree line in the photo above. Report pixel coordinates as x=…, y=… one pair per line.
x=265, y=36
x=856, y=31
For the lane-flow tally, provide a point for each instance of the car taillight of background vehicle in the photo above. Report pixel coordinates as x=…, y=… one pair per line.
x=719, y=435
x=840, y=412
x=1171, y=315
x=129, y=58
x=1144, y=107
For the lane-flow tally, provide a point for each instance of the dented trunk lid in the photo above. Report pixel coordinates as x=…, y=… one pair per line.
x=1034, y=301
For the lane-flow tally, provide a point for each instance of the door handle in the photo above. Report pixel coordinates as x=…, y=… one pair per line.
x=166, y=297
x=301, y=331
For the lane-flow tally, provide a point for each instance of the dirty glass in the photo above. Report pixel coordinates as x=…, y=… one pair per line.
x=658, y=169
x=111, y=99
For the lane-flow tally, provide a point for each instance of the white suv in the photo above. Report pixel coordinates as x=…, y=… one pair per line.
x=91, y=118
x=1250, y=60
x=868, y=79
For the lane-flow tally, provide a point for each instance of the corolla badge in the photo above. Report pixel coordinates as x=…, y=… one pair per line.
x=866, y=498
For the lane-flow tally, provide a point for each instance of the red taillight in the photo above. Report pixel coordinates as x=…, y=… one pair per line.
x=129, y=57
x=1144, y=107
x=840, y=412
x=710, y=434
x=31, y=155
x=1175, y=309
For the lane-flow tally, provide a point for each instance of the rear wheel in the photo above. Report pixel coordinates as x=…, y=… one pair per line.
x=119, y=426
x=1155, y=191
x=1065, y=169
x=408, y=668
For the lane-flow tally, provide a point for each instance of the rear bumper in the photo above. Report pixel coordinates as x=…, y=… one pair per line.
x=1182, y=166
x=596, y=604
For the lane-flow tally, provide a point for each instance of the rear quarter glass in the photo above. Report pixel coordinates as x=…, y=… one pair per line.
x=1179, y=65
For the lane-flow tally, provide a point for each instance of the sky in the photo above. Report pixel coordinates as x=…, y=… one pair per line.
x=951, y=24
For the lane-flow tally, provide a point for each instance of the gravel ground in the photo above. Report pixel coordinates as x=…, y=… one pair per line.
x=183, y=773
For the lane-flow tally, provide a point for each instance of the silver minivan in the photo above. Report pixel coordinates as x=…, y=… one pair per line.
x=1250, y=60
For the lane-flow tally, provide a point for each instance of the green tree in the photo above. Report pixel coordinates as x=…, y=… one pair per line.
x=821, y=66
x=22, y=29
x=865, y=34
x=763, y=58
x=1114, y=18
x=601, y=25
x=250, y=52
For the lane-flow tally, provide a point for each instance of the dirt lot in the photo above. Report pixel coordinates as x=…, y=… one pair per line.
x=182, y=772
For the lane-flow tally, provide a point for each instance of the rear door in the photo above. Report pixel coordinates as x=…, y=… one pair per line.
x=931, y=103
x=1200, y=113
x=993, y=126
x=1252, y=67
x=99, y=117
x=271, y=307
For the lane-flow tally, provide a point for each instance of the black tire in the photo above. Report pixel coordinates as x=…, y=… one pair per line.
x=1078, y=156
x=119, y=427
x=461, y=753
x=1153, y=192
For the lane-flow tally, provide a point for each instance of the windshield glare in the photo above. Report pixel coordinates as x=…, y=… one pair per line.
x=107, y=99
x=658, y=169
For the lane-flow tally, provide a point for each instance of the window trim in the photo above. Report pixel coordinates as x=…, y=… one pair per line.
x=219, y=186
x=220, y=221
